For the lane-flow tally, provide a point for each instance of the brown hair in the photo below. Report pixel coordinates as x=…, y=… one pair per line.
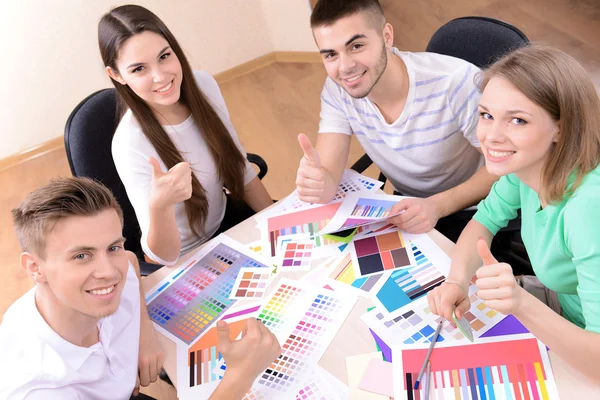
x=556, y=82
x=37, y=215
x=327, y=12
x=114, y=29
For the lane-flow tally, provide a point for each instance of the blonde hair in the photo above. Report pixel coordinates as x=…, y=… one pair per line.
x=37, y=215
x=556, y=82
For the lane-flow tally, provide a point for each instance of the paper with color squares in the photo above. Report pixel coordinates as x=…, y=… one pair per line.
x=310, y=222
x=428, y=270
x=304, y=319
x=296, y=256
x=361, y=209
x=186, y=303
x=506, y=367
x=196, y=364
x=380, y=252
x=352, y=182
x=251, y=283
x=341, y=272
x=417, y=324
x=322, y=385
x=463, y=325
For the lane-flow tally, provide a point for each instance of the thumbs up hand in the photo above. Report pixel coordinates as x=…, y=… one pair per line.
x=171, y=187
x=496, y=282
x=310, y=178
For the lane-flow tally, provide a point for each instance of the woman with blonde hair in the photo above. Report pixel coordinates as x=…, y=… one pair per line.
x=539, y=129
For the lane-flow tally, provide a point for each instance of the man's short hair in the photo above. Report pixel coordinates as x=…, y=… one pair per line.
x=327, y=12
x=37, y=215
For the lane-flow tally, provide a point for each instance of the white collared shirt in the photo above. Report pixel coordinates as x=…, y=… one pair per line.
x=37, y=363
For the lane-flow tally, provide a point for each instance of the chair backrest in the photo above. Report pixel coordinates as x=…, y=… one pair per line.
x=88, y=136
x=479, y=40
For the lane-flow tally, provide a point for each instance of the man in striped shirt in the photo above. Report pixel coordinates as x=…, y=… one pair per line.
x=415, y=115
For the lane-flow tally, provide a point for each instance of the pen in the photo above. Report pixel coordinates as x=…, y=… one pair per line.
x=433, y=340
x=427, y=383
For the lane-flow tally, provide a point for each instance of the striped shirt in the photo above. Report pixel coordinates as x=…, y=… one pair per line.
x=431, y=147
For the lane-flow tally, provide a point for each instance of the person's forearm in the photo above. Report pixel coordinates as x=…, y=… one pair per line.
x=163, y=236
x=256, y=195
x=466, y=194
x=465, y=259
x=230, y=388
x=576, y=346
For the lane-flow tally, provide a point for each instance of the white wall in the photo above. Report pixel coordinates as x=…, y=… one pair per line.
x=51, y=59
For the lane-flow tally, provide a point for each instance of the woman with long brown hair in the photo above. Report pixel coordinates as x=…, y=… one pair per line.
x=175, y=148
x=539, y=128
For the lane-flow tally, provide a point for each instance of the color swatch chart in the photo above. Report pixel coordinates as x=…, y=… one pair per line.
x=305, y=319
x=367, y=209
x=343, y=272
x=491, y=368
x=306, y=221
x=322, y=385
x=378, y=253
x=203, y=355
x=417, y=325
x=200, y=295
x=297, y=256
x=408, y=284
x=251, y=283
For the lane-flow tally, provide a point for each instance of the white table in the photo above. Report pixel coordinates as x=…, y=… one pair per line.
x=354, y=338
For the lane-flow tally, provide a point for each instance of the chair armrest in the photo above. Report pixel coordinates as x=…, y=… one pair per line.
x=260, y=163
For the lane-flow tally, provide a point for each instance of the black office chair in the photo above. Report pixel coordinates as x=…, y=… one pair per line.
x=480, y=41
x=88, y=136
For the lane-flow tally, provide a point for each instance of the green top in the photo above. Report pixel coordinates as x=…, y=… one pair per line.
x=562, y=240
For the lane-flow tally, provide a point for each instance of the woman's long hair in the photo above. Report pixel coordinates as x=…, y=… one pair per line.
x=114, y=29
x=556, y=82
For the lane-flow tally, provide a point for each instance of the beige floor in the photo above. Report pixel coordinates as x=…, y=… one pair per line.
x=270, y=106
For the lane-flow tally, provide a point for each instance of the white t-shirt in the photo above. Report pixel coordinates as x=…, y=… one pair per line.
x=131, y=151
x=38, y=364
x=431, y=147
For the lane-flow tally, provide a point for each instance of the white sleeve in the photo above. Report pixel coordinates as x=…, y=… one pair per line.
x=333, y=117
x=463, y=98
x=210, y=88
x=49, y=394
x=135, y=172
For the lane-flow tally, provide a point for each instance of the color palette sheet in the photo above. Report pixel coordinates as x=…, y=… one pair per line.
x=196, y=364
x=304, y=319
x=429, y=268
x=185, y=304
x=352, y=182
x=360, y=209
x=310, y=221
x=251, y=283
x=342, y=272
x=417, y=324
x=379, y=252
x=512, y=367
x=297, y=255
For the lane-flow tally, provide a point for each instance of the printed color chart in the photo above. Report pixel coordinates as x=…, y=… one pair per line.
x=305, y=319
x=251, y=283
x=343, y=272
x=378, y=253
x=199, y=295
x=491, y=368
x=417, y=325
x=305, y=221
x=297, y=256
x=408, y=284
x=367, y=209
x=203, y=355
